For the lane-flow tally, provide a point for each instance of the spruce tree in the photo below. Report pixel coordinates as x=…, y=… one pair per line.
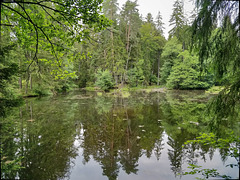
x=177, y=20
x=159, y=24
x=215, y=33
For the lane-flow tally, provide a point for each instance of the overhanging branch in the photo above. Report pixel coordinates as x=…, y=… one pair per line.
x=36, y=27
x=6, y=25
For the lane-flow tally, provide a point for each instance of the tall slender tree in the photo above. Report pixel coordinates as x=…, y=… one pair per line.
x=177, y=20
x=159, y=24
x=152, y=42
x=130, y=24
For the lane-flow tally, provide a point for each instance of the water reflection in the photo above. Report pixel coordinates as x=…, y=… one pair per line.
x=129, y=138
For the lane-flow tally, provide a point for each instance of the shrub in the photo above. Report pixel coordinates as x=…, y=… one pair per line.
x=104, y=80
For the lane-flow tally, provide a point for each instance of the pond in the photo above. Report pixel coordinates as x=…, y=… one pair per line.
x=89, y=135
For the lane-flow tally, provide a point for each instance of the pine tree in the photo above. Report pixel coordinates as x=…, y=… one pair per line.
x=149, y=18
x=177, y=20
x=159, y=24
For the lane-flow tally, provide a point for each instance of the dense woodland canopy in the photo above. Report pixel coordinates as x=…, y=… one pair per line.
x=52, y=46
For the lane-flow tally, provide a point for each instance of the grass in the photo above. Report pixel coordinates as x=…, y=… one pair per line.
x=99, y=93
x=90, y=88
x=147, y=88
x=123, y=91
x=125, y=94
x=215, y=89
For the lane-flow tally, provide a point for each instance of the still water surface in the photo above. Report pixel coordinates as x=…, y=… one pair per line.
x=89, y=136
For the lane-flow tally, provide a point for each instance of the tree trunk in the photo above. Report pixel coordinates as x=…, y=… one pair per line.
x=128, y=36
x=112, y=43
x=0, y=24
x=30, y=79
x=31, y=111
x=116, y=78
x=20, y=83
x=128, y=58
x=183, y=45
x=122, y=79
x=27, y=81
x=158, y=73
x=127, y=63
x=26, y=87
x=105, y=55
x=79, y=68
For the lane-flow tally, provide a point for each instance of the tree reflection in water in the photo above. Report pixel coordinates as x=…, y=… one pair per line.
x=116, y=132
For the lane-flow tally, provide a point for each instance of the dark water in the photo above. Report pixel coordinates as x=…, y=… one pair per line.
x=89, y=136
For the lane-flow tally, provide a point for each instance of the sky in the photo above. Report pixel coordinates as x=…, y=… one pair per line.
x=164, y=6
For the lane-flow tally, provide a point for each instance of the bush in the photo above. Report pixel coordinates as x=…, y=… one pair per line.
x=185, y=73
x=104, y=80
x=40, y=90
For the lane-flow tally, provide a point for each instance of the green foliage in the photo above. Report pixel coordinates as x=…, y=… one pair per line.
x=153, y=79
x=177, y=20
x=159, y=23
x=169, y=54
x=54, y=22
x=152, y=42
x=45, y=33
x=215, y=89
x=135, y=75
x=185, y=73
x=8, y=69
x=221, y=46
x=40, y=90
x=206, y=173
x=48, y=36
x=165, y=71
x=230, y=143
x=104, y=80
x=90, y=88
x=181, y=70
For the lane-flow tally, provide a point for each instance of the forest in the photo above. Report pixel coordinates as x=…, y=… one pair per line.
x=50, y=47
x=44, y=52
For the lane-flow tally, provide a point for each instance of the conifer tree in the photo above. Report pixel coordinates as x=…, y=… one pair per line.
x=159, y=24
x=177, y=20
x=221, y=46
x=130, y=23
